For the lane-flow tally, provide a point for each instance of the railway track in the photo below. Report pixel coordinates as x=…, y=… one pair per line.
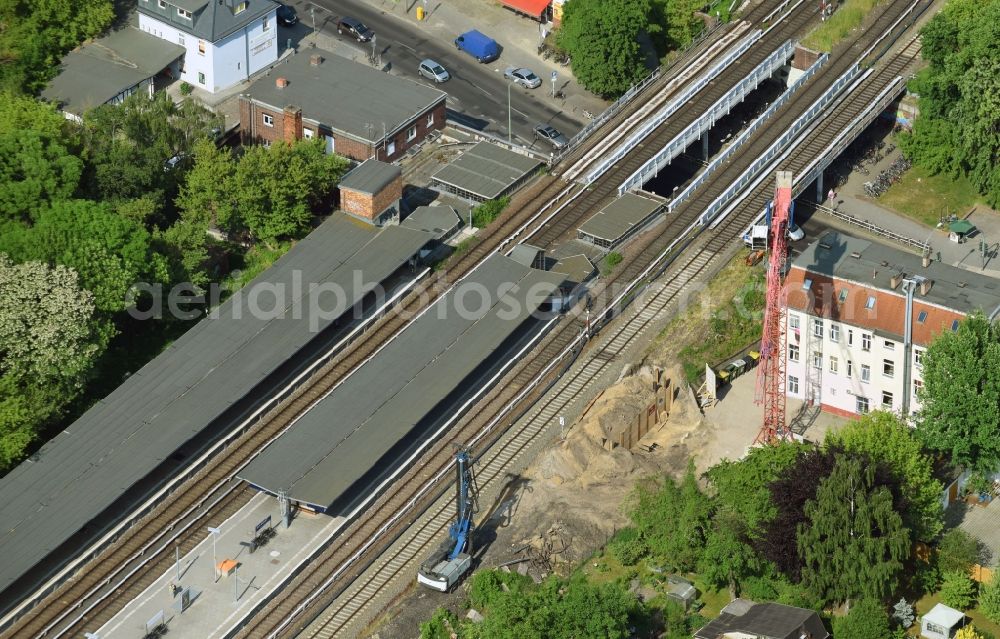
x=708, y=251
x=144, y=550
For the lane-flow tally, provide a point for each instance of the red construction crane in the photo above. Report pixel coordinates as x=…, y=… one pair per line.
x=771, y=373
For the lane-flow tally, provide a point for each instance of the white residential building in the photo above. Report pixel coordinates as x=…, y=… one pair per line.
x=225, y=41
x=860, y=317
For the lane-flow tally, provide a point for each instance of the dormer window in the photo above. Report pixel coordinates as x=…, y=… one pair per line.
x=161, y=4
x=240, y=7
x=184, y=13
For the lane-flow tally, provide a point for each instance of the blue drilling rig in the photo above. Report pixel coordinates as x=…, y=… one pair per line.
x=443, y=569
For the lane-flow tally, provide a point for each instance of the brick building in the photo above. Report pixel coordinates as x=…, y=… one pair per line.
x=862, y=314
x=359, y=111
x=372, y=192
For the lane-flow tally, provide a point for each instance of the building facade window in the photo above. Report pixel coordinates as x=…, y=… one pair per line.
x=793, y=321
x=161, y=4
x=866, y=342
x=888, y=367
x=201, y=78
x=866, y=373
x=793, y=353
x=818, y=328
x=890, y=346
x=201, y=47
x=268, y=119
x=834, y=332
x=843, y=295
x=870, y=302
x=308, y=133
x=861, y=405
x=264, y=24
x=918, y=358
x=922, y=317
x=411, y=133
x=184, y=13
x=793, y=385
x=917, y=385
x=180, y=39
x=390, y=148
x=834, y=364
x=240, y=8
x=850, y=337
x=817, y=359
x=430, y=119
x=887, y=400
x=850, y=368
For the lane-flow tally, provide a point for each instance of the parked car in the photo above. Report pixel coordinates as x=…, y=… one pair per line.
x=433, y=71
x=355, y=28
x=551, y=135
x=795, y=233
x=286, y=15
x=525, y=77
x=174, y=161
x=478, y=45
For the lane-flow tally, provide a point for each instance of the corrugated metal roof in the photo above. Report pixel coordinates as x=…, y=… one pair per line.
x=371, y=176
x=618, y=217
x=121, y=439
x=343, y=437
x=486, y=170
x=345, y=96
x=97, y=71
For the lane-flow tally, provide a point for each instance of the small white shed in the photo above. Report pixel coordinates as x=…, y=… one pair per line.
x=941, y=622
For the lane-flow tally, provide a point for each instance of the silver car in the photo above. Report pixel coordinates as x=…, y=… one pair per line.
x=551, y=135
x=433, y=71
x=525, y=77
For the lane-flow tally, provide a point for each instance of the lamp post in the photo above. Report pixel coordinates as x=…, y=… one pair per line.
x=509, y=84
x=215, y=559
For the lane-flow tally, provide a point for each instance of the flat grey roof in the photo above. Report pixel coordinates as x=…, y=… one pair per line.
x=342, y=437
x=833, y=255
x=122, y=438
x=576, y=268
x=371, y=176
x=619, y=217
x=99, y=70
x=486, y=170
x=345, y=96
x=439, y=220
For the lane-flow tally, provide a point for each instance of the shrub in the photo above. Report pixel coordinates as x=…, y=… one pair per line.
x=958, y=551
x=186, y=88
x=487, y=587
x=628, y=547
x=989, y=599
x=957, y=590
x=866, y=620
x=488, y=211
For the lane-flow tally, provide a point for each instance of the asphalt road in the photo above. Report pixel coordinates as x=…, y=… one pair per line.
x=477, y=93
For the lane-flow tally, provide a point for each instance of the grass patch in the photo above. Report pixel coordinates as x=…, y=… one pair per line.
x=926, y=198
x=838, y=26
x=721, y=7
x=610, y=261
x=253, y=262
x=978, y=619
x=719, y=321
x=484, y=214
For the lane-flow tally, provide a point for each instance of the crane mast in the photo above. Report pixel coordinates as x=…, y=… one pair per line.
x=770, y=391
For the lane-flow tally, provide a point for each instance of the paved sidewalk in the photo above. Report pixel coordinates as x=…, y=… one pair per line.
x=224, y=599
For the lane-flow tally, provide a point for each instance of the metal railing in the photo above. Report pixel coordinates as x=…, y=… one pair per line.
x=704, y=123
x=874, y=229
x=626, y=97
x=746, y=133
x=779, y=145
x=652, y=123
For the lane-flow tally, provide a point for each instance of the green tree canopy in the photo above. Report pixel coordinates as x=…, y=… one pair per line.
x=867, y=619
x=601, y=37
x=958, y=131
x=960, y=401
x=958, y=551
x=35, y=170
x=853, y=543
x=207, y=197
x=886, y=439
x=989, y=599
x=673, y=519
x=109, y=252
x=958, y=590
x=278, y=189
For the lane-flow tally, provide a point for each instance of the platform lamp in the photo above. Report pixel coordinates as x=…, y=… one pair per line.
x=215, y=560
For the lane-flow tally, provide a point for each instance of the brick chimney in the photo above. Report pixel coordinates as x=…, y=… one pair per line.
x=292, y=125
x=281, y=83
x=315, y=60
x=925, y=286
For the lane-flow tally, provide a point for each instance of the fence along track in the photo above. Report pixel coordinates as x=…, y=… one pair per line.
x=72, y=596
x=709, y=247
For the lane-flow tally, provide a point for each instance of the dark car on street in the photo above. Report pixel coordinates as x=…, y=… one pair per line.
x=355, y=28
x=286, y=15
